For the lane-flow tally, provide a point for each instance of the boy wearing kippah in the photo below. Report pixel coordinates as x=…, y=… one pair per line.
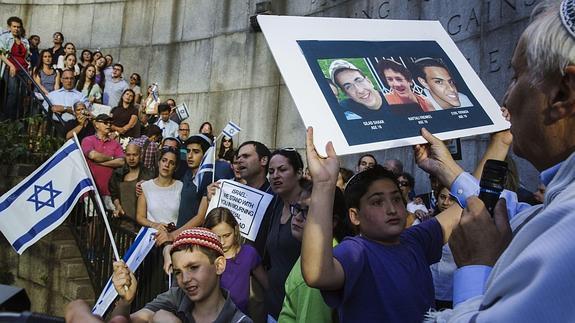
x=198, y=262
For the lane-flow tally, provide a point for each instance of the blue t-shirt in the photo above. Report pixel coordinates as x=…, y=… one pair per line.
x=191, y=195
x=387, y=283
x=236, y=277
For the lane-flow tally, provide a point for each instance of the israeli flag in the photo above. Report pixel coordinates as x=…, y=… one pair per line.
x=207, y=165
x=43, y=200
x=231, y=129
x=137, y=252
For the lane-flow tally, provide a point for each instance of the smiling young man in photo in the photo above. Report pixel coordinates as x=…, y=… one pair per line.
x=439, y=85
x=363, y=99
x=400, y=81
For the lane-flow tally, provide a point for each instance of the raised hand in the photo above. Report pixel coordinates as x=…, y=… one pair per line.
x=435, y=159
x=211, y=190
x=322, y=169
x=504, y=137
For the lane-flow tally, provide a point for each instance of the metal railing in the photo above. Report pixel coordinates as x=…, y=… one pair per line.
x=89, y=231
x=29, y=105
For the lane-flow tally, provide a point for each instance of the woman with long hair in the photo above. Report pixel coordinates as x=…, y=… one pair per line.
x=70, y=64
x=85, y=59
x=135, y=84
x=88, y=86
x=69, y=49
x=159, y=202
x=227, y=150
x=125, y=116
x=95, y=55
x=47, y=77
x=285, y=175
x=206, y=129
x=100, y=65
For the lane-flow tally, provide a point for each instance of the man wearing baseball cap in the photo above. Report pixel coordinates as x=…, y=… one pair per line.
x=103, y=156
x=198, y=262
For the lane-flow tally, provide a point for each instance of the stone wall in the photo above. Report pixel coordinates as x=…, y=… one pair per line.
x=202, y=52
x=51, y=271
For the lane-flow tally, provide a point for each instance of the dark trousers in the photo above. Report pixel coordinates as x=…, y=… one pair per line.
x=15, y=91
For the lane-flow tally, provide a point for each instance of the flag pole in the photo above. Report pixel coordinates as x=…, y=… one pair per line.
x=99, y=203
x=214, y=167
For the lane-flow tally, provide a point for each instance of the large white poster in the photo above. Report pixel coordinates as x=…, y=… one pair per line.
x=373, y=84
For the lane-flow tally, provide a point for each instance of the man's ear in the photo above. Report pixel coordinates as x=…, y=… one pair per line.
x=423, y=82
x=353, y=214
x=563, y=104
x=220, y=263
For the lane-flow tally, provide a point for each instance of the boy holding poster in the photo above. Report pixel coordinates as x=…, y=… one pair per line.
x=381, y=275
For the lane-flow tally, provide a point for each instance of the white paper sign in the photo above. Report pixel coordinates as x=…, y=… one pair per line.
x=372, y=84
x=246, y=203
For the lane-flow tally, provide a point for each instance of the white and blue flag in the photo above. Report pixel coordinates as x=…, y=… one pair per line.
x=137, y=252
x=43, y=200
x=206, y=166
x=231, y=129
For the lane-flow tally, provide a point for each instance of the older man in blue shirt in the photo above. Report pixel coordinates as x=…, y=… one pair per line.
x=517, y=267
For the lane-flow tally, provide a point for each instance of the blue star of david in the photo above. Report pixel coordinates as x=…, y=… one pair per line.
x=35, y=197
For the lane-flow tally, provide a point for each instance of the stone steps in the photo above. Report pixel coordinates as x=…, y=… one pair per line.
x=80, y=288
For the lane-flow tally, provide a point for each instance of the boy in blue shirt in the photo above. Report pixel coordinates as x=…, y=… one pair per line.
x=381, y=275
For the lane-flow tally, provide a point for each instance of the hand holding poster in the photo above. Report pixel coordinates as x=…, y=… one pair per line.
x=247, y=204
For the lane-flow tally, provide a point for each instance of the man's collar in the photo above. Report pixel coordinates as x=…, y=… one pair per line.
x=547, y=175
x=106, y=138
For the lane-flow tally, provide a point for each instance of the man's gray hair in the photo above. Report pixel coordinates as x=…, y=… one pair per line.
x=549, y=47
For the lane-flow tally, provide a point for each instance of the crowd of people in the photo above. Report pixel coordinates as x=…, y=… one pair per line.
x=335, y=245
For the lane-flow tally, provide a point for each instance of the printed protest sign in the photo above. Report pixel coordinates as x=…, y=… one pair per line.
x=247, y=204
x=368, y=84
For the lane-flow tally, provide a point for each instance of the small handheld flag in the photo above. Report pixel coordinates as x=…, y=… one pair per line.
x=231, y=129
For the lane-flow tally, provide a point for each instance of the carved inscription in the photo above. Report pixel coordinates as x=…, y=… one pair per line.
x=487, y=11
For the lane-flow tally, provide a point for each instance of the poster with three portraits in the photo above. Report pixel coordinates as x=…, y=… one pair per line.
x=369, y=84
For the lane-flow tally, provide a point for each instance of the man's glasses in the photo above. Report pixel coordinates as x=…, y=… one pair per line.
x=358, y=82
x=67, y=78
x=107, y=123
x=184, y=129
x=403, y=183
x=296, y=208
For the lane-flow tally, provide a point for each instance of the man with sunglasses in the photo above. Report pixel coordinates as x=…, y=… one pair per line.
x=103, y=155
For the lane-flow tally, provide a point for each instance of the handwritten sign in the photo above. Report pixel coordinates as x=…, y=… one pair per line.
x=246, y=203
